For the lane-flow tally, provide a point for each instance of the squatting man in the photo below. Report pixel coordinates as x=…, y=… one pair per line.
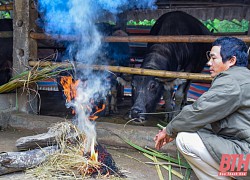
x=218, y=122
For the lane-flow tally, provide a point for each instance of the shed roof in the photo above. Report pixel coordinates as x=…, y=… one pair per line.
x=207, y=9
x=201, y=9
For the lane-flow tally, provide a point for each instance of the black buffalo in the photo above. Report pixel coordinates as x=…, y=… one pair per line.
x=187, y=57
x=6, y=48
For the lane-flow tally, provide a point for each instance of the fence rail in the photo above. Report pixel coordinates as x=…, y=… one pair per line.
x=129, y=70
x=146, y=39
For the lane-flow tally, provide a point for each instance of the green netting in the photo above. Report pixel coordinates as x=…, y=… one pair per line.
x=227, y=26
x=4, y=15
x=145, y=22
x=215, y=25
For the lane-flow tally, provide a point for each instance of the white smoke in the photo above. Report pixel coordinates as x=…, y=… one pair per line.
x=78, y=17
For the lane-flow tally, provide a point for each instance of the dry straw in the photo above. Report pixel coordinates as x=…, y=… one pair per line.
x=27, y=78
x=69, y=162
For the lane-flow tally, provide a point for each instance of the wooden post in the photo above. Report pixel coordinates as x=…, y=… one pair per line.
x=248, y=33
x=24, y=48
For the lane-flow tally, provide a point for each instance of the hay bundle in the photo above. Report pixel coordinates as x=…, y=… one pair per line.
x=28, y=78
x=70, y=162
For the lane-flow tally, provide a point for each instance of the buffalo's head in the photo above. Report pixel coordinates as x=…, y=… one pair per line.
x=146, y=93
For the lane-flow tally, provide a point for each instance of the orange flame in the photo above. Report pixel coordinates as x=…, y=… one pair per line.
x=93, y=153
x=69, y=87
x=93, y=116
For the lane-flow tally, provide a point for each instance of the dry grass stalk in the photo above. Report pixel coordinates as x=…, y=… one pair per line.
x=27, y=78
x=69, y=162
x=166, y=167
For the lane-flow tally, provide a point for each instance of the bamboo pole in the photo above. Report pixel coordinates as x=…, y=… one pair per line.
x=159, y=39
x=6, y=7
x=42, y=36
x=6, y=34
x=129, y=70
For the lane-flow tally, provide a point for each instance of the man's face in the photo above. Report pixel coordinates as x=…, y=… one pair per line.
x=215, y=62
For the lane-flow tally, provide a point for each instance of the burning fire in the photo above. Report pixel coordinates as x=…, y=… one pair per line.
x=93, y=116
x=70, y=91
x=97, y=153
x=69, y=87
x=93, y=153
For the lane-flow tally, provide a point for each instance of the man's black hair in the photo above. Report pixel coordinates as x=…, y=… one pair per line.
x=231, y=46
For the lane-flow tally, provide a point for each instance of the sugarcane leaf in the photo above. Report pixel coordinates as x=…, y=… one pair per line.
x=158, y=169
x=166, y=167
x=159, y=155
x=187, y=174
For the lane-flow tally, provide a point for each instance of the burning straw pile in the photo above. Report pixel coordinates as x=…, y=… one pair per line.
x=71, y=161
x=69, y=157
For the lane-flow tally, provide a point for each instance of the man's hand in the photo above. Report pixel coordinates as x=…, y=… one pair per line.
x=162, y=138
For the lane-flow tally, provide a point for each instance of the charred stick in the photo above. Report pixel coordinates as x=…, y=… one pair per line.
x=19, y=161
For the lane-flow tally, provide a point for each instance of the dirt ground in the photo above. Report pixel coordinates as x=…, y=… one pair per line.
x=130, y=161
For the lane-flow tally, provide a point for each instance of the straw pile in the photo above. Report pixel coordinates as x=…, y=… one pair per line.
x=70, y=162
x=27, y=78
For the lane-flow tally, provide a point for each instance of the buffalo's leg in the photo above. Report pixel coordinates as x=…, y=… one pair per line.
x=113, y=100
x=107, y=104
x=168, y=98
x=181, y=97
